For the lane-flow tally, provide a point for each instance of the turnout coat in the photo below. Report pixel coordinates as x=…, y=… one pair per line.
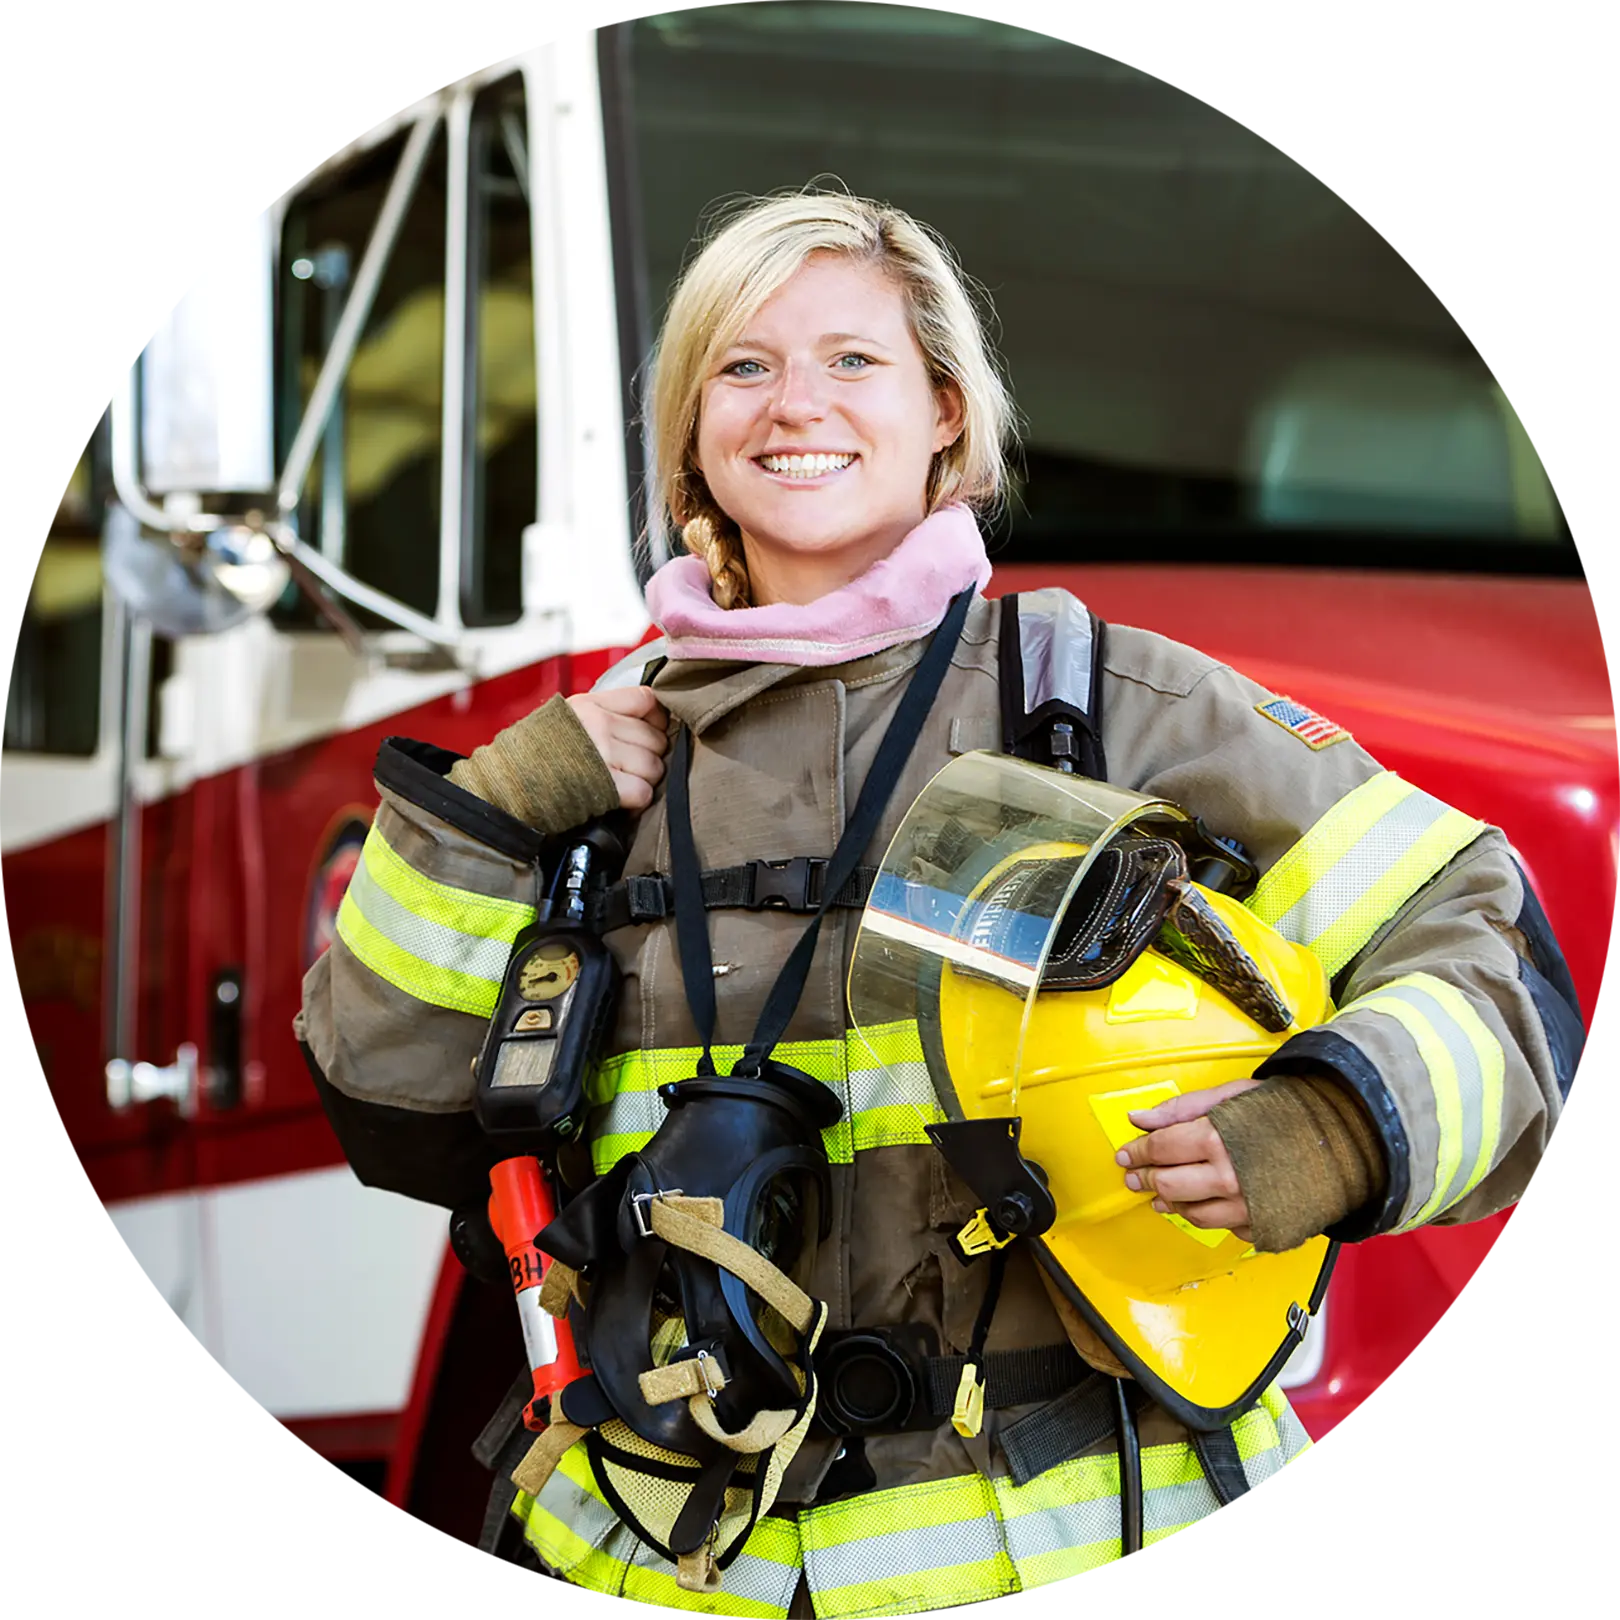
x=1456, y=1028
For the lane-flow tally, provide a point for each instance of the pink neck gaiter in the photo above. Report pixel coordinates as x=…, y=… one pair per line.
x=896, y=600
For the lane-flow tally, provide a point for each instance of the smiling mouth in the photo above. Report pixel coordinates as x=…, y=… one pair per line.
x=817, y=464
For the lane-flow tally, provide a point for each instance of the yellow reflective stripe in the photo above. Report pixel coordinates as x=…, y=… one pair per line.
x=1442, y=839
x=444, y=946
x=439, y=987
x=1067, y=1520
x=573, y=1529
x=898, y=1126
x=1285, y=885
x=1466, y=1070
x=569, y=1521
x=1358, y=865
x=908, y=1548
x=481, y=915
x=885, y=1044
x=881, y=1080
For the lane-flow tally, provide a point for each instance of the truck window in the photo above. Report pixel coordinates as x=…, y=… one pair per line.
x=500, y=486
x=1215, y=357
x=372, y=499
x=54, y=702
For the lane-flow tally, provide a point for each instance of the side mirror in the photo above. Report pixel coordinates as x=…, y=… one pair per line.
x=199, y=585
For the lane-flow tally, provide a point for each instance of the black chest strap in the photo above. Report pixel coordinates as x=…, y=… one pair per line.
x=691, y=927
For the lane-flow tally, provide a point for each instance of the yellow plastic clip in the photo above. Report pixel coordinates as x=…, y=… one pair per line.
x=967, y=1416
x=979, y=1236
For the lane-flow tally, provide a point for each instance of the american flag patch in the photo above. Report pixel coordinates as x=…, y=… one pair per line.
x=1312, y=729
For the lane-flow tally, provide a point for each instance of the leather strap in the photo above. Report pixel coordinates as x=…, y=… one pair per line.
x=543, y=1456
x=709, y=1242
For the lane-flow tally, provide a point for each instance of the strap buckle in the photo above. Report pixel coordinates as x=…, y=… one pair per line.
x=710, y=1388
x=638, y=1210
x=979, y=1236
x=790, y=885
x=967, y=1416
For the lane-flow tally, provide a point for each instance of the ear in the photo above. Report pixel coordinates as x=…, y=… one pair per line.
x=951, y=416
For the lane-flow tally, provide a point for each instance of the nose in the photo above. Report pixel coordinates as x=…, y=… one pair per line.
x=799, y=396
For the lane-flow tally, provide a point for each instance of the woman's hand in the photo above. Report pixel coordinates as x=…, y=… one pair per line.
x=1183, y=1162
x=630, y=731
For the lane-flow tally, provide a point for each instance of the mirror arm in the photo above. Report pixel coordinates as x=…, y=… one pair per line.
x=356, y=309
x=346, y=585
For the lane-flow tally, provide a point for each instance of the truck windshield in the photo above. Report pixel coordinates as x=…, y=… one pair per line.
x=1215, y=359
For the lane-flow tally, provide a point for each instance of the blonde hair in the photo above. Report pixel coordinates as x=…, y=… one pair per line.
x=754, y=249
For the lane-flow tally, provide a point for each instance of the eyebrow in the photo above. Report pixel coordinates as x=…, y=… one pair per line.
x=746, y=342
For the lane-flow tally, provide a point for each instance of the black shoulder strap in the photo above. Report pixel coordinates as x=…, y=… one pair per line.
x=1051, y=681
x=691, y=926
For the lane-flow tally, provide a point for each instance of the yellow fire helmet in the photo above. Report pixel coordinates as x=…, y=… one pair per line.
x=1040, y=942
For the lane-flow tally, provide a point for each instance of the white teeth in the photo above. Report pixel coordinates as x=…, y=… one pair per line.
x=811, y=466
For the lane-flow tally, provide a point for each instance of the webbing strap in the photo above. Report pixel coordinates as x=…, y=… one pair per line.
x=1011, y=1377
x=691, y=929
x=1059, y=1431
x=796, y=884
x=1218, y=1456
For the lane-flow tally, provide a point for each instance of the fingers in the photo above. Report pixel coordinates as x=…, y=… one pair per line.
x=638, y=702
x=631, y=759
x=1172, y=1144
x=1188, y=1106
x=628, y=728
x=1186, y=1183
x=635, y=792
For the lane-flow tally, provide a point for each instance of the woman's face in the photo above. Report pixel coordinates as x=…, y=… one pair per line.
x=817, y=428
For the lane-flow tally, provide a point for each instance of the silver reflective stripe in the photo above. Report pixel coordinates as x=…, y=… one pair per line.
x=757, y=1580
x=592, y=1521
x=631, y=1113
x=1469, y=1101
x=921, y=1551
x=428, y=941
x=906, y=1085
x=1082, y=1524
x=1365, y=863
x=1054, y=645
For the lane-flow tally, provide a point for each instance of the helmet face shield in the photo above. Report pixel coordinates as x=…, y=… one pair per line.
x=1040, y=937
x=977, y=887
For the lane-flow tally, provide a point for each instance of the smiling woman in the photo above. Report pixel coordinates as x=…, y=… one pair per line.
x=821, y=326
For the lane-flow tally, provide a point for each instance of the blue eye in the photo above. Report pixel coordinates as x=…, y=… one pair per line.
x=737, y=368
x=853, y=362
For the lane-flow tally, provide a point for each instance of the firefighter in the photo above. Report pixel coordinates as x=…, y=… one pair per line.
x=827, y=420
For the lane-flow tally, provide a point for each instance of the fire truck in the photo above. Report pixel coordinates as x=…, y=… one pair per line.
x=383, y=472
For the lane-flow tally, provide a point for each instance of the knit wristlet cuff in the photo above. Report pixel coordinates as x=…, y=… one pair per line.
x=1306, y=1156
x=544, y=769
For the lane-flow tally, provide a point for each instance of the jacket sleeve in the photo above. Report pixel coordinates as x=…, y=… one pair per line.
x=1459, y=1032
x=1457, y=1027
x=394, y=1012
